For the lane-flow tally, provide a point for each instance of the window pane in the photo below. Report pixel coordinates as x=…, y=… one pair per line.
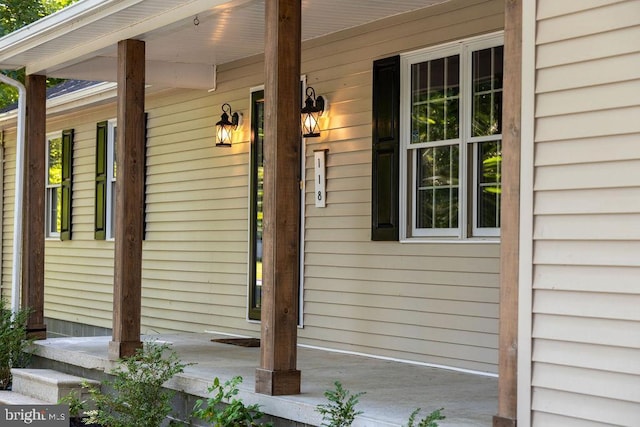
x=55, y=161
x=435, y=98
x=111, y=194
x=487, y=92
x=419, y=73
x=112, y=208
x=58, y=204
x=424, y=218
x=259, y=206
x=115, y=146
x=54, y=217
x=489, y=184
x=257, y=212
x=452, y=127
x=437, y=188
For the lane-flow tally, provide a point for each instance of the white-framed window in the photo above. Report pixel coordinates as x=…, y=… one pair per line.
x=111, y=179
x=53, y=185
x=451, y=139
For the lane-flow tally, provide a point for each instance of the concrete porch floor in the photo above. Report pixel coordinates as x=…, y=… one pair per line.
x=393, y=389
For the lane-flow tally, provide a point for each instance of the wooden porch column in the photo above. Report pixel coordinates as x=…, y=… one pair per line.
x=510, y=213
x=127, y=286
x=33, y=206
x=277, y=374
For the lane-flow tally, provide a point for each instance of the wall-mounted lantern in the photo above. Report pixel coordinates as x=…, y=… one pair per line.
x=311, y=112
x=225, y=128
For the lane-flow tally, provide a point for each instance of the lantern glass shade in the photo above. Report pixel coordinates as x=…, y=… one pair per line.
x=225, y=127
x=310, y=114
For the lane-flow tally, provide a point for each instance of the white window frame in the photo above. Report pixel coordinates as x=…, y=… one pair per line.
x=468, y=146
x=111, y=180
x=50, y=188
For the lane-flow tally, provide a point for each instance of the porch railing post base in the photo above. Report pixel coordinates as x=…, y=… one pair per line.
x=120, y=349
x=277, y=383
x=37, y=331
x=499, y=421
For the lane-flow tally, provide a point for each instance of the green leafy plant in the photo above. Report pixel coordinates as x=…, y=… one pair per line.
x=341, y=409
x=77, y=406
x=428, y=421
x=13, y=342
x=223, y=409
x=138, y=398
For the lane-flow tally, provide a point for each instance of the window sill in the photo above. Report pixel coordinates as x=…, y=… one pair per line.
x=452, y=240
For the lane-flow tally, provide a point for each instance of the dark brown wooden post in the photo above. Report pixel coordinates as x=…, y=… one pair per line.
x=127, y=286
x=33, y=206
x=509, y=250
x=277, y=374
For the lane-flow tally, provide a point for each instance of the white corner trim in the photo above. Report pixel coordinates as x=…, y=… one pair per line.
x=525, y=275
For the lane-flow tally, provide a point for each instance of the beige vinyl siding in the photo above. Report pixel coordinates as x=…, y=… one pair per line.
x=195, y=255
x=586, y=322
x=429, y=302
x=8, y=186
x=426, y=302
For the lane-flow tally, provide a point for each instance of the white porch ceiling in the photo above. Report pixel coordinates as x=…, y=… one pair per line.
x=185, y=39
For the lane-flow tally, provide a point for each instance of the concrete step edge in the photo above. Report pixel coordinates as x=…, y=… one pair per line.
x=13, y=398
x=50, y=376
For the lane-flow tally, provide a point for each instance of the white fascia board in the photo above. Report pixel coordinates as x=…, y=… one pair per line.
x=72, y=56
x=58, y=24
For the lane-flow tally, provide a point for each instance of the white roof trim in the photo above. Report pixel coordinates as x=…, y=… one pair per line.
x=100, y=92
x=80, y=98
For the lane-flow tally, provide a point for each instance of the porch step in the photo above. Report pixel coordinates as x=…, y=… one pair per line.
x=13, y=398
x=48, y=385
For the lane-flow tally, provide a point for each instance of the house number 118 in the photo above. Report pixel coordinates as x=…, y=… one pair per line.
x=319, y=166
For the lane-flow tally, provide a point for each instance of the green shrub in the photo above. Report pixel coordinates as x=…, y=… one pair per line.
x=428, y=421
x=138, y=398
x=14, y=344
x=341, y=409
x=224, y=409
x=76, y=405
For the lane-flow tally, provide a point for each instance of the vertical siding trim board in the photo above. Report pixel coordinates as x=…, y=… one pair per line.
x=525, y=270
x=385, y=171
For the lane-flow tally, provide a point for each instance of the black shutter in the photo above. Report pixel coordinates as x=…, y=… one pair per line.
x=67, y=179
x=101, y=181
x=386, y=149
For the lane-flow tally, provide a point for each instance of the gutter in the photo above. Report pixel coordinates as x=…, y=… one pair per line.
x=17, y=204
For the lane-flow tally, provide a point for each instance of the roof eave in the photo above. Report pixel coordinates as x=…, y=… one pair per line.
x=54, y=25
